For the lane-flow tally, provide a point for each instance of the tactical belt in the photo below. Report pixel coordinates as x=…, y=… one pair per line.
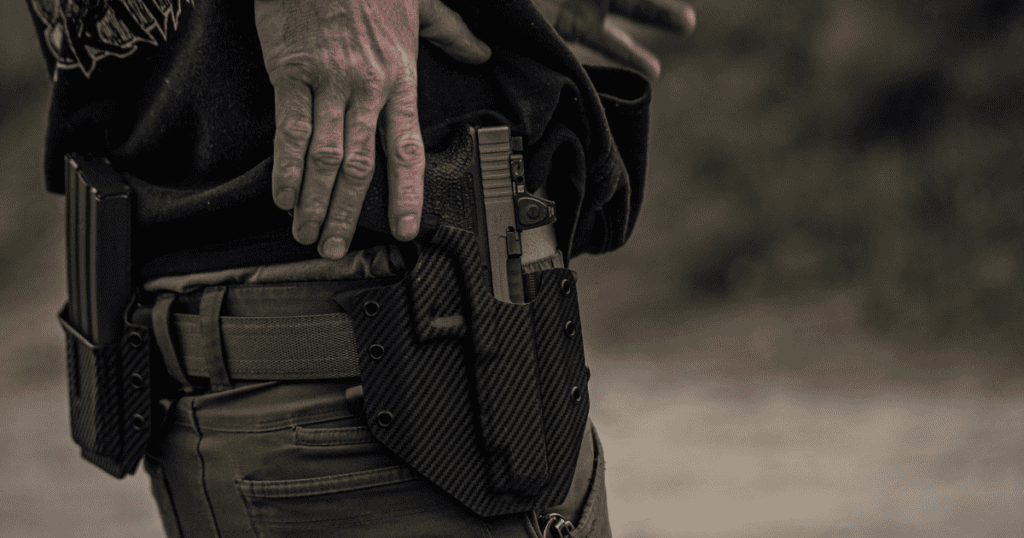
x=317, y=345
x=291, y=348
x=287, y=332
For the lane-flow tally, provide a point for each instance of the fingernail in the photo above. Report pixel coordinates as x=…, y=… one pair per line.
x=408, y=227
x=285, y=198
x=484, y=49
x=333, y=248
x=308, y=233
x=691, y=19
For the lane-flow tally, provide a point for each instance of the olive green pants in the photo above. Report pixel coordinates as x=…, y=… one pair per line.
x=275, y=459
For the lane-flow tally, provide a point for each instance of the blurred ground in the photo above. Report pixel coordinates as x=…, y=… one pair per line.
x=813, y=331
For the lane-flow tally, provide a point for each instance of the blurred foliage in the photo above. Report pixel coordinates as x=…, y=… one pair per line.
x=800, y=145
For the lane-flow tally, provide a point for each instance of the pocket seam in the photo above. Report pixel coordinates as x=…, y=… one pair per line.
x=353, y=435
x=325, y=485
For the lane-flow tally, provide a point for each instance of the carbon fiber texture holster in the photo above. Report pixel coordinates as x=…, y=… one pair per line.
x=109, y=393
x=486, y=399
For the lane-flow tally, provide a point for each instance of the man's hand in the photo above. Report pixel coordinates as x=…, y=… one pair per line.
x=335, y=65
x=586, y=22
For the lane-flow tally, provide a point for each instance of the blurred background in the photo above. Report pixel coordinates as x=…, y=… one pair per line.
x=814, y=331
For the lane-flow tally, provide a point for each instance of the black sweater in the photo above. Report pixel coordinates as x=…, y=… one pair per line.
x=175, y=93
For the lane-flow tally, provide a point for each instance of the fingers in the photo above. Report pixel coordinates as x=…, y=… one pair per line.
x=406, y=162
x=616, y=44
x=584, y=21
x=353, y=180
x=673, y=15
x=334, y=65
x=323, y=159
x=293, y=103
x=446, y=29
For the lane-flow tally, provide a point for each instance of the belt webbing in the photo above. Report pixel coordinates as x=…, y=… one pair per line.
x=268, y=348
x=289, y=348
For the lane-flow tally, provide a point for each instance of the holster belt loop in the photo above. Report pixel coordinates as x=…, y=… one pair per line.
x=162, y=334
x=209, y=326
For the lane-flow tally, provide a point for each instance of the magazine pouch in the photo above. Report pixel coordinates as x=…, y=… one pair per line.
x=108, y=358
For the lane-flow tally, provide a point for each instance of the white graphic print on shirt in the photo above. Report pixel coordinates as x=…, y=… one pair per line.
x=80, y=33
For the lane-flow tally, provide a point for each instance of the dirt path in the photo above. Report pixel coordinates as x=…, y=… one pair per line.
x=691, y=459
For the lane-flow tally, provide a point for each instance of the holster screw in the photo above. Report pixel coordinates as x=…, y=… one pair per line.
x=566, y=287
x=385, y=418
x=134, y=340
x=136, y=381
x=371, y=308
x=576, y=393
x=570, y=329
x=376, y=352
x=138, y=421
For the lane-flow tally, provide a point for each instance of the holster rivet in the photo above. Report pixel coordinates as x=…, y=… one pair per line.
x=136, y=381
x=570, y=328
x=134, y=339
x=376, y=352
x=138, y=421
x=566, y=287
x=385, y=418
x=371, y=308
x=577, y=394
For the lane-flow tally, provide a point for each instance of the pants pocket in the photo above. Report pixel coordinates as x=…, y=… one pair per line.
x=390, y=501
x=321, y=436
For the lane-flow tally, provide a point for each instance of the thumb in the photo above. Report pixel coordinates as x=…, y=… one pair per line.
x=446, y=29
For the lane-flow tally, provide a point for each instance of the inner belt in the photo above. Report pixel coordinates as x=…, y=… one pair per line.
x=268, y=332
x=283, y=348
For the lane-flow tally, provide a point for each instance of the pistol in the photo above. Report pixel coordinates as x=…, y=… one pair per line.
x=506, y=208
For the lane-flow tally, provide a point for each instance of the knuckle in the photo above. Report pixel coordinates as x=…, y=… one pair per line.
x=292, y=68
x=364, y=80
x=409, y=152
x=314, y=209
x=332, y=112
x=405, y=76
x=295, y=131
x=408, y=194
x=403, y=106
x=373, y=77
x=327, y=156
x=290, y=171
x=369, y=99
x=339, y=223
x=406, y=82
x=358, y=166
x=407, y=203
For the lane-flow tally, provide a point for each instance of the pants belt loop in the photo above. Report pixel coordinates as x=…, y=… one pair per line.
x=209, y=326
x=162, y=334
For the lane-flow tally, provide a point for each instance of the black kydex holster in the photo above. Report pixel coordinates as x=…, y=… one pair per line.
x=486, y=398
x=108, y=357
